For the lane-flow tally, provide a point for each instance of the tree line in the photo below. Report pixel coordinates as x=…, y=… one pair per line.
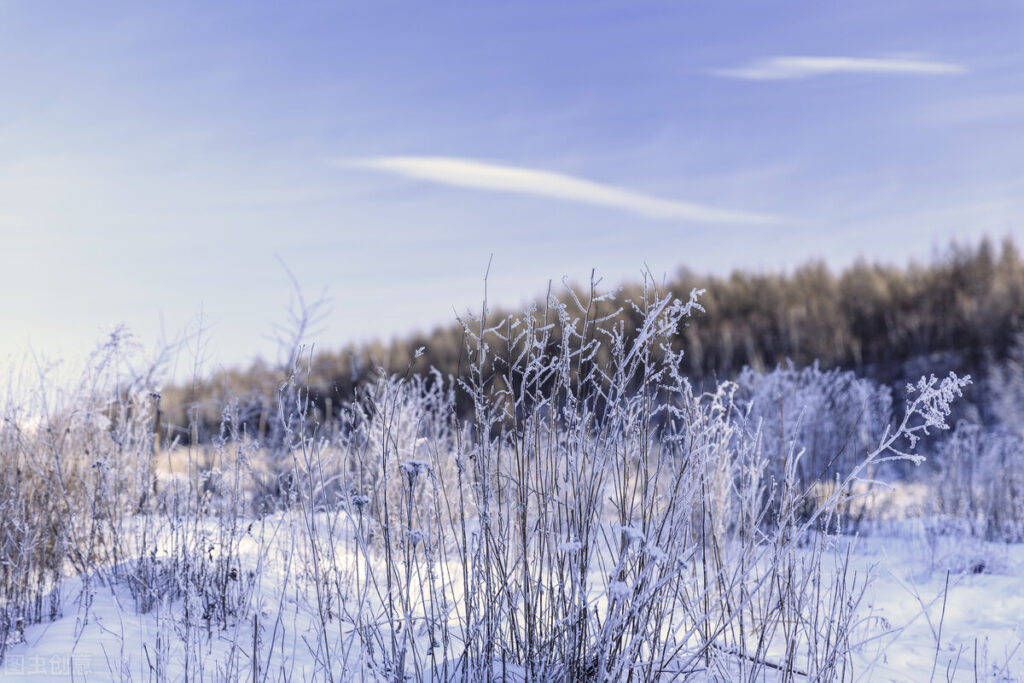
x=961, y=310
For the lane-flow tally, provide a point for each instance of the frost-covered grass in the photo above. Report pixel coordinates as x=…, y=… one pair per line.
x=589, y=521
x=894, y=637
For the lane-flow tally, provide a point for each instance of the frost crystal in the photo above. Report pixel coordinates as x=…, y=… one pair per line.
x=933, y=402
x=656, y=553
x=632, y=535
x=414, y=468
x=619, y=590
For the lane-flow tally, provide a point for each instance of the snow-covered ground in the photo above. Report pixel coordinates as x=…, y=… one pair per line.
x=937, y=607
x=970, y=628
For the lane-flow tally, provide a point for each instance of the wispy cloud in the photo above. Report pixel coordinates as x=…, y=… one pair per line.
x=791, y=67
x=485, y=176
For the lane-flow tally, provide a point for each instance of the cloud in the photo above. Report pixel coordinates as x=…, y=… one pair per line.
x=789, y=68
x=484, y=176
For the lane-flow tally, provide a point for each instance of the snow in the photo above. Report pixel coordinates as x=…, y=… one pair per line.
x=977, y=618
x=975, y=613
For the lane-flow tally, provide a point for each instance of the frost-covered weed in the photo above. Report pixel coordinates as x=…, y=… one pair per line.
x=830, y=418
x=594, y=518
x=597, y=521
x=980, y=484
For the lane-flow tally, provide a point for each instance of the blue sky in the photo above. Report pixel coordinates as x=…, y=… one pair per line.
x=157, y=159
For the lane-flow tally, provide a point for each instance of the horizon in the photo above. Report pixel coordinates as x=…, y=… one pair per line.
x=161, y=160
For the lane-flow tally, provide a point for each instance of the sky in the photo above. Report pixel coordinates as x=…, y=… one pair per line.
x=159, y=162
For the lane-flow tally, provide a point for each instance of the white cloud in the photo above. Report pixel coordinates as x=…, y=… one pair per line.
x=484, y=176
x=789, y=67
